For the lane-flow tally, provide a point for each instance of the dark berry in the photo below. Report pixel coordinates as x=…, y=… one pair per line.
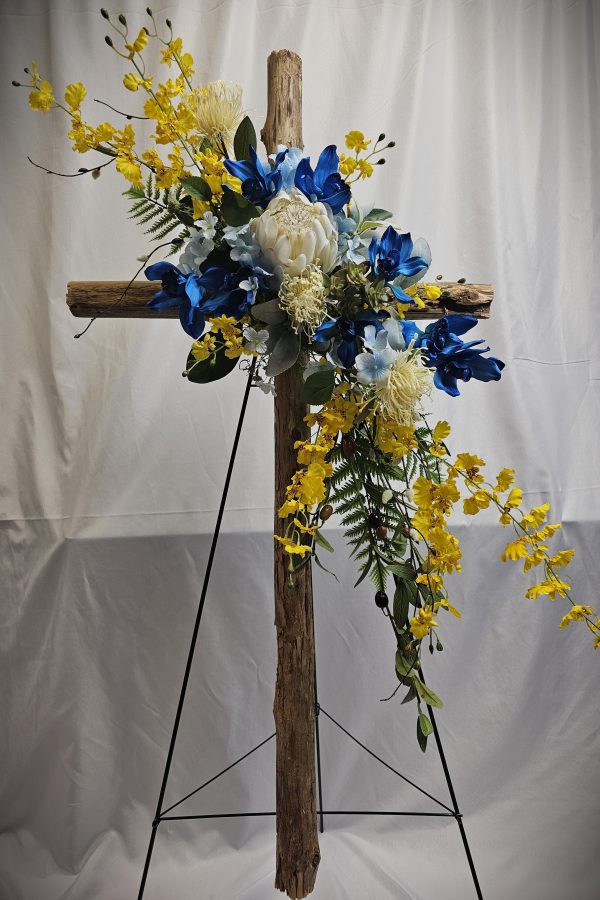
x=374, y=520
x=381, y=532
x=381, y=599
x=347, y=447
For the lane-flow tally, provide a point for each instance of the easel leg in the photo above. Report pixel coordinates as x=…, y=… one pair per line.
x=457, y=813
x=200, y=610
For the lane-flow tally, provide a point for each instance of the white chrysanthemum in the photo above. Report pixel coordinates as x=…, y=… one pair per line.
x=294, y=233
x=302, y=297
x=218, y=109
x=400, y=395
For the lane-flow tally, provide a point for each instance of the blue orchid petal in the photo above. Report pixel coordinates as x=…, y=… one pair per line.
x=163, y=300
x=157, y=271
x=400, y=295
x=446, y=382
x=327, y=164
x=458, y=323
x=347, y=351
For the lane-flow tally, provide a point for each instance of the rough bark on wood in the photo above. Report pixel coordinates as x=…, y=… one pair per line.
x=105, y=299
x=297, y=852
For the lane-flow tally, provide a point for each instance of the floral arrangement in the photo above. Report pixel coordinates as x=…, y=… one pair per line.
x=278, y=263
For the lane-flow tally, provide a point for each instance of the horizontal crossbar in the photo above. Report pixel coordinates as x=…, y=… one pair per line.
x=324, y=812
x=124, y=300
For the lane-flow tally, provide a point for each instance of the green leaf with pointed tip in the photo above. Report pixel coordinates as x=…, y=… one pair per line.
x=325, y=569
x=236, y=210
x=427, y=694
x=323, y=542
x=421, y=737
x=211, y=369
x=245, y=137
x=197, y=187
x=318, y=387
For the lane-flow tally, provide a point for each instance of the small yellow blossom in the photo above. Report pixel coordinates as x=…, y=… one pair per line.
x=365, y=168
x=577, y=614
x=139, y=44
x=75, y=95
x=421, y=624
x=355, y=140
x=347, y=164
x=43, y=98
x=292, y=548
x=562, y=558
x=515, y=550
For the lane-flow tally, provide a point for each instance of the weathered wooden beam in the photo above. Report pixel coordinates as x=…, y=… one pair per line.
x=297, y=850
x=105, y=299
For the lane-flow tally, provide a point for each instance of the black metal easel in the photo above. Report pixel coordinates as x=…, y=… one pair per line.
x=162, y=815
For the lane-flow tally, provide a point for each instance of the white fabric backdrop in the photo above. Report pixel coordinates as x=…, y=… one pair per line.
x=112, y=468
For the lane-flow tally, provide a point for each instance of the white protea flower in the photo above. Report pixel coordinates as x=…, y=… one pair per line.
x=400, y=394
x=302, y=297
x=294, y=233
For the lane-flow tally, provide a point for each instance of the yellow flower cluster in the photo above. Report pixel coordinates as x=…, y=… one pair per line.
x=307, y=486
x=390, y=437
x=357, y=165
x=532, y=533
x=186, y=119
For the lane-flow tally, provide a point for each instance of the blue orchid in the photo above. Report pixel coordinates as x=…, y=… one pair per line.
x=217, y=292
x=452, y=358
x=392, y=256
x=324, y=184
x=179, y=290
x=260, y=182
x=345, y=333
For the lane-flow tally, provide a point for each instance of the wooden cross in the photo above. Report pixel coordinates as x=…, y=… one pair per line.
x=297, y=850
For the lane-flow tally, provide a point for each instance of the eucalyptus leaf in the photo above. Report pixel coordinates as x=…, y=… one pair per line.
x=323, y=542
x=421, y=738
x=285, y=353
x=245, y=137
x=405, y=594
x=236, y=210
x=427, y=694
x=426, y=726
x=197, y=187
x=410, y=696
x=318, y=387
x=268, y=312
x=379, y=215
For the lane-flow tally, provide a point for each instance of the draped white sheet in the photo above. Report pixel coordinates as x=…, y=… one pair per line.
x=112, y=468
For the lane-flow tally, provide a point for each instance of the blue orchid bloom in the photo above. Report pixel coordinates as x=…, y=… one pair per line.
x=324, y=184
x=217, y=292
x=260, y=182
x=179, y=290
x=452, y=358
x=232, y=293
x=345, y=333
x=392, y=256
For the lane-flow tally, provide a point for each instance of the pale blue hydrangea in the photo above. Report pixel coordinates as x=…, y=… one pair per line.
x=244, y=248
x=374, y=368
x=288, y=166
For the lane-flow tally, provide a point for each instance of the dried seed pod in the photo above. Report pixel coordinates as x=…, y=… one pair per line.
x=348, y=447
x=326, y=512
x=381, y=532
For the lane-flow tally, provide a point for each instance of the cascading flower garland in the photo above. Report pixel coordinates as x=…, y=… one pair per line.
x=279, y=262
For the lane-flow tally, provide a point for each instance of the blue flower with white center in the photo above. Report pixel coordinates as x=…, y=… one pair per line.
x=375, y=340
x=374, y=368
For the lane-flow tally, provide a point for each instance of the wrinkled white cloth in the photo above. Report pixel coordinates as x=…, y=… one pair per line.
x=112, y=467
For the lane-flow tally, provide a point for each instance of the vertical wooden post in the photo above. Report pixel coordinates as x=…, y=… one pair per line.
x=294, y=706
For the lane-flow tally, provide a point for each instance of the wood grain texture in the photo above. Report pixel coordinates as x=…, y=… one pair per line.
x=105, y=299
x=297, y=850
